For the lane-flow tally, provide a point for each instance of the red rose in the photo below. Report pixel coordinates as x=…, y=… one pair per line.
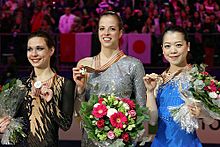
x=129, y=102
x=101, y=100
x=125, y=136
x=205, y=73
x=100, y=123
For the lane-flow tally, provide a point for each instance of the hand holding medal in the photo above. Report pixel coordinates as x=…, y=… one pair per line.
x=80, y=75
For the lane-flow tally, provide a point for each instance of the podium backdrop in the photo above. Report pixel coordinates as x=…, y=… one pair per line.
x=74, y=47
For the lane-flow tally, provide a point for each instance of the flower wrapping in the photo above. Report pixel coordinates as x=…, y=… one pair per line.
x=11, y=97
x=113, y=121
x=203, y=89
x=182, y=115
x=206, y=89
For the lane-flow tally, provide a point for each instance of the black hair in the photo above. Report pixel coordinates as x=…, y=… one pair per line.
x=50, y=43
x=48, y=39
x=183, y=32
x=113, y=13
x=176, y=29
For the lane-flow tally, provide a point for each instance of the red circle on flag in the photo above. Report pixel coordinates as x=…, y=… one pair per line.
x=139, y=46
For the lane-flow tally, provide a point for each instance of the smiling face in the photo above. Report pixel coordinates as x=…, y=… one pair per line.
x=109, y=32
x=38, y=52
x=175, y=48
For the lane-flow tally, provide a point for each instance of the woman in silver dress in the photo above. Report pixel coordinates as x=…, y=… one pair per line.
x=109, y=72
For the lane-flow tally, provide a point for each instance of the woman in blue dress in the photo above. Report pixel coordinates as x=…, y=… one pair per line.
x=163, y=92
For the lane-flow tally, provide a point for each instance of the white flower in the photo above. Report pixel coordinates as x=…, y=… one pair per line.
x=194, y=69
x=213, y=95
x=130, y=127
x=199, y=84
x=19, y=83
x=111, y=111
x=96, y=105
x=126, y=106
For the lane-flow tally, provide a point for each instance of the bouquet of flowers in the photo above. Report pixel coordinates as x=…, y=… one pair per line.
x=113, y=121
x=11, y=97
x=204, y=89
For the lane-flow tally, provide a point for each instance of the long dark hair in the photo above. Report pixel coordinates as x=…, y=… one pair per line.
x=50, y=43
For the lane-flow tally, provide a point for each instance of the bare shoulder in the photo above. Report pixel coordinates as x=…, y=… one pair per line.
x=85, y=61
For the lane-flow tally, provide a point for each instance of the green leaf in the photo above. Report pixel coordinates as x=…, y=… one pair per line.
x=140, y=120
x=106, y=128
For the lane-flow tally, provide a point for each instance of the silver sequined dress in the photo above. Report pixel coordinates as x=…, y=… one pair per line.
x=124, y=78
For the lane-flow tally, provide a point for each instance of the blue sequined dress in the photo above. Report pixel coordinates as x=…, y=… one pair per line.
x=169, y=133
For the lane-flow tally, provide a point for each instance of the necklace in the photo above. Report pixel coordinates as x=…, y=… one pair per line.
x=38, y=84
x=112, y=60
x=167, y=75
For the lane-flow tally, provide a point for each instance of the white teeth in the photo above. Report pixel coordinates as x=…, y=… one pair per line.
x=106, y=39
x=35, y=60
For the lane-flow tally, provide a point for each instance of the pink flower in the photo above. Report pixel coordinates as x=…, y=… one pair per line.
x=99, y=111
x=132, y=113
x=129, y=102
x=100, y=123
x=111, y=135
x=118, y=119
x=46, y=93
x=125, y=136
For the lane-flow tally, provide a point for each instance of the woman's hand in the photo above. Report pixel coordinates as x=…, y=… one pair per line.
x=197, y=110
x=4, y=122
x=150, y=81
x=46, y=93
x=79, y=76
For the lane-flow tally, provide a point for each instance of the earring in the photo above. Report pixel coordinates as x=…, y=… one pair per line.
x=188, y=49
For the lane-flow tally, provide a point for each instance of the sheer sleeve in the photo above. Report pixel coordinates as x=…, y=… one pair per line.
x=63, y=113
x=138, y=82
x=78, y=99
